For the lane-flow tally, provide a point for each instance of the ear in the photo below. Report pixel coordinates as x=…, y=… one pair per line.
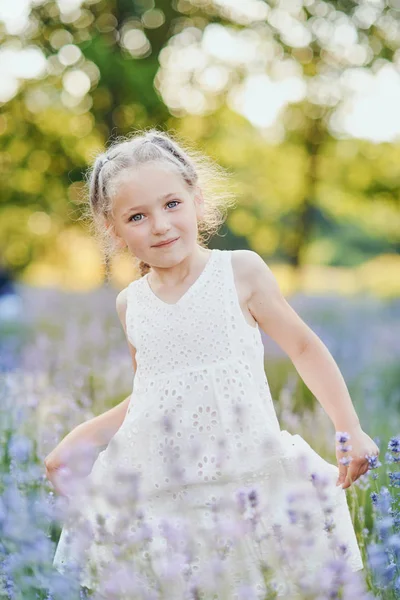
x=111, y=230
x=199, y=203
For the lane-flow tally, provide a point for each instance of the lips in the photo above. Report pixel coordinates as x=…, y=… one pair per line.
x=167, y=243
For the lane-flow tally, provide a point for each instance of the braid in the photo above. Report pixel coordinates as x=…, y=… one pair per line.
x=157, y=139
x=94, y=187
x=168, y=145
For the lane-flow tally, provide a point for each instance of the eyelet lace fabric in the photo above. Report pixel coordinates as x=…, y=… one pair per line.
x=201, y=425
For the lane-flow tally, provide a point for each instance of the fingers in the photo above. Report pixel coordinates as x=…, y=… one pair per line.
x=348, y=481
x=52, y=476
x=355, y=470
x=49, y=476
x=342, y=473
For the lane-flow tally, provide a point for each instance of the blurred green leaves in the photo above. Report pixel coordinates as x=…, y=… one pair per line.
x=306, y=191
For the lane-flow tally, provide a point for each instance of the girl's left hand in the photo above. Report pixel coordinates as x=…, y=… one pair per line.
x=360, y=447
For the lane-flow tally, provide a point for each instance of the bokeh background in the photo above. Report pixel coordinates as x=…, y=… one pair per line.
x=299, y=100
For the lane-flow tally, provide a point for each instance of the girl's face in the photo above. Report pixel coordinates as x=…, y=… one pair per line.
x=151, y=205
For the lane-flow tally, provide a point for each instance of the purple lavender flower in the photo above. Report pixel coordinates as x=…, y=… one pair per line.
x=394, y=444
x=394, y=479
x=384, y=501
x=373, y=461
x=388, y=574
x=319, y=480
x=253, y=497
x=292, y=515
x=343, y=549
x=394, y=544
x=347, y=448
x=392, y=458
x=384, y=527
x=376, y=556
x=329, y=524
x=241, y=499
x=374, y=498
x=342, y=437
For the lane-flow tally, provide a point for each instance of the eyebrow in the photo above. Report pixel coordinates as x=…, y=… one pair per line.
x=163, y=197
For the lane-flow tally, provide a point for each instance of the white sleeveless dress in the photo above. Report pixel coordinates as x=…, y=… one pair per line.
x=201, y=427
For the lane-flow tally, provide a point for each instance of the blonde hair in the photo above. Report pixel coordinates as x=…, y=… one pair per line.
x=153, y=145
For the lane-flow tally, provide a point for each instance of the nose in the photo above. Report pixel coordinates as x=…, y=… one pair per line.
x=161, y=224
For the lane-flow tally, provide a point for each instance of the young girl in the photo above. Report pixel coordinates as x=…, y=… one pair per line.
x=200, y=424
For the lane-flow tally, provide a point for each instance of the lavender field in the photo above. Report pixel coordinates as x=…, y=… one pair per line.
x=64, y=359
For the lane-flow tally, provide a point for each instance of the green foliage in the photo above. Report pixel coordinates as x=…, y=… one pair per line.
x=311, y=198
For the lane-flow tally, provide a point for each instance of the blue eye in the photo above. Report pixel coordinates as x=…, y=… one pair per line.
x=171, y=201
x=132, y=218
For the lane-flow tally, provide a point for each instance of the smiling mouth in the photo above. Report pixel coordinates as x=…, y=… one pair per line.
x=166, y=243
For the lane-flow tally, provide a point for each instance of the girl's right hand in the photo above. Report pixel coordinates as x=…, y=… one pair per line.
x=66, y=464
x=56, y=465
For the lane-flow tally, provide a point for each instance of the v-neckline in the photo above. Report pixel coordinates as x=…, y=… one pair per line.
x=190, y=288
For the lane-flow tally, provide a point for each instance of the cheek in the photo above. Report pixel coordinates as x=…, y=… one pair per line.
x=136, y=234
x=186, y=218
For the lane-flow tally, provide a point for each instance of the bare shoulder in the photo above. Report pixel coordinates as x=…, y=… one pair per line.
x=121, y=300
x=253, y=272
x=269, y=307
x=120, y=304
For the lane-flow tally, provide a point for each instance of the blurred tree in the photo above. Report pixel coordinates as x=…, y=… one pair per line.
x=120, y=65
x=102, y=59
x=323, y=46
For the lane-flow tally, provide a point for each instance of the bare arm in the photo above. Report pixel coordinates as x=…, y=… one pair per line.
x=308, y=353
x=313, y=361
x=99, y=430
x=78, y=449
